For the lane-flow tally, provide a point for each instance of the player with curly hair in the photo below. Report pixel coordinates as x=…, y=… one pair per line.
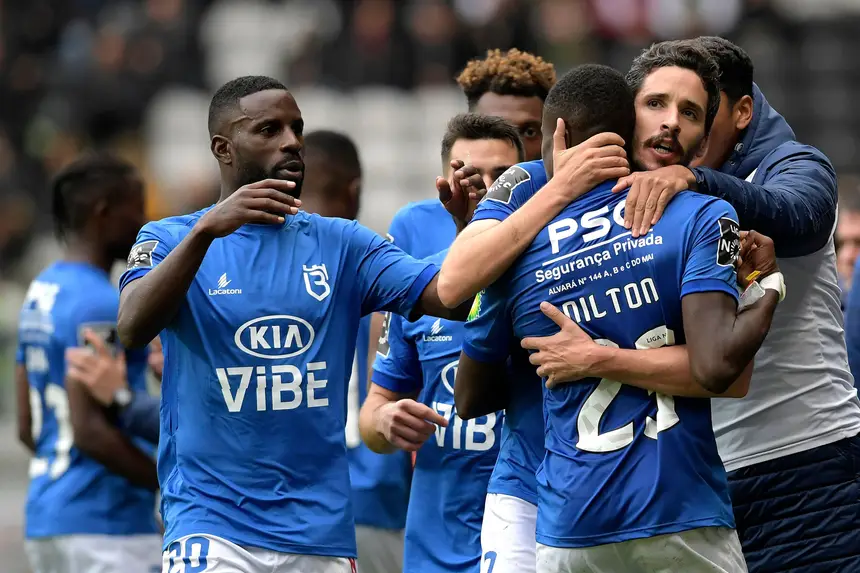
x=512, y=85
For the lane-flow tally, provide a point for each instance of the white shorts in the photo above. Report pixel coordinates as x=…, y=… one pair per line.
x=508, y=535
x=210, y=554
x=379, y=550
x=95, y=554
x=704, y=550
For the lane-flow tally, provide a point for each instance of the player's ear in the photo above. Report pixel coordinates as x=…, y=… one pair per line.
x=222, y=149
x=703, y=147
x=743, y=112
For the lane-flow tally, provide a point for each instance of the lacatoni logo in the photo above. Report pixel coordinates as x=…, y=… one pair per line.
x=435, y=335
x=275, y=336
x=223, y=282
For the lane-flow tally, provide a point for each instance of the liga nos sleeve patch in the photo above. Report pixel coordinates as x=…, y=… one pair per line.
x=140, y=256
x=502, y=188
x=729, y=246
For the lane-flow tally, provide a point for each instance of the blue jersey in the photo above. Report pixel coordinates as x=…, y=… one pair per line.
x=256, y=370
x=522, y=436
x=449, y=484
x=380, y=483
x=70, y=493
x=620, y=463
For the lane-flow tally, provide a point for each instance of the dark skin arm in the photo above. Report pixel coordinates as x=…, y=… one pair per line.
x=25, y=417
x=720, y=342
x=96, y=437
x=479, y=389
x=148, y=305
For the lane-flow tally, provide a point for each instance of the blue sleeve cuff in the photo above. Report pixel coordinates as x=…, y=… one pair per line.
x=418, y=286
x=392, y=383
x=708, y=285
x=130, y=276
x=480, y=355
x=490, y=215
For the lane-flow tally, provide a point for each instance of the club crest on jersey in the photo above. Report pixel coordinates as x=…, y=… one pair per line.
x=316, y=281
x=729, y=246
x=382, y=347
x=502, y=188
x=140, y=256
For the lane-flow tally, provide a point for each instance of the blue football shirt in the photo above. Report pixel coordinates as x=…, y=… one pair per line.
x=620, y=463
x=256, y=370
x=70, y=493
x=522, y=436
x=380, y=483
x=452, y=469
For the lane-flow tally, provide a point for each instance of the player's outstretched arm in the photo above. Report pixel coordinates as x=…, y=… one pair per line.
x=389, y=421
x=571, y=355
x=478, y=389
x=96, y=437
x=720, y=341
x=486, y=249
x=149, y=303
x=431, y=304
x=25, y=417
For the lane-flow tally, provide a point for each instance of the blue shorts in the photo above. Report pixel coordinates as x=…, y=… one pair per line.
x=801, y=512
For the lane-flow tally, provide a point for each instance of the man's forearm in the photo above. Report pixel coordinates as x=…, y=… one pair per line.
x=476, y=261
x=367, y=425
x=107, y=446
x=149, y=304
x=664, y=370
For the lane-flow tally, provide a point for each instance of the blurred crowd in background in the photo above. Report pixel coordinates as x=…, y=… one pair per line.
x=134, y=76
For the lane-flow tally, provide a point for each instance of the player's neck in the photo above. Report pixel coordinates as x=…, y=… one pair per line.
x=79, y=250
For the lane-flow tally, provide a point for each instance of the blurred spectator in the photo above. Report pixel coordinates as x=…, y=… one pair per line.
x=848, y=229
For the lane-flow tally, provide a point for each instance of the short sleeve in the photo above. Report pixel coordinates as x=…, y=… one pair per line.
x=508, y=192
x=20, y=357
x=399, y=370
x=713, y=247
x=398, y=230
x=388, y=278
x=154, y=243
x=488, y=332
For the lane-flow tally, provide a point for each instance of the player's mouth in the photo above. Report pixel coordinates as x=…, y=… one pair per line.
x=293, y=170
x=666, y=151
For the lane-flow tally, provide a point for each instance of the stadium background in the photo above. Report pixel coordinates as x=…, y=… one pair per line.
x=135, y=76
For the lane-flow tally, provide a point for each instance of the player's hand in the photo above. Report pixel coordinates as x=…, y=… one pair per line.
x=757, y=254
x=460, y=194
x=98, y=370
x=266, y=201
x=156, y=357
x=567, y=356
x=650, y=192
x=407, y=424
x=582, y=167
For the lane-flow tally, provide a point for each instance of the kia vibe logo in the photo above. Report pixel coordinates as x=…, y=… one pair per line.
x=275, y=336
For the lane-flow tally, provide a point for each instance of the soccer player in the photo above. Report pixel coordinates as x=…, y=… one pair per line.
x=616, y=454
x=259, y=305
x=380, y=484
x=511, y=85
x=91, y=498
x=681, y=87
x=453, y=466
x=796, y=434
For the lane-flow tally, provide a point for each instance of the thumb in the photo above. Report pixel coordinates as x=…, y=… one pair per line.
x=558, y=142
x=444, y=189
x=622, y=184
x=554, y=314
x=120, y=360
x=97, y=342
